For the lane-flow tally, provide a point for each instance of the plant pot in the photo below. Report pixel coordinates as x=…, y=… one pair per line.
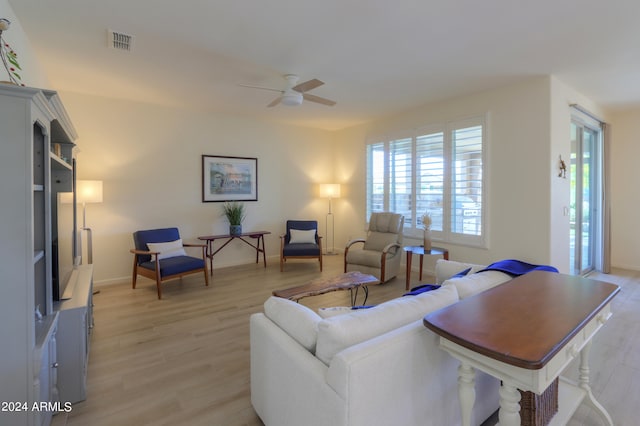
x=235, y=229
x=427, y=239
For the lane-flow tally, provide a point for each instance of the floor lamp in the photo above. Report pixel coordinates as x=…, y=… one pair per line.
x=330, y=191
x=88, y=191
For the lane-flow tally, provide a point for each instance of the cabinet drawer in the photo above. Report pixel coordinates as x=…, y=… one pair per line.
x=574, y=346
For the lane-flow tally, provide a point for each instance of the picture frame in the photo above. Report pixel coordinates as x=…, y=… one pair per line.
x=229, y=178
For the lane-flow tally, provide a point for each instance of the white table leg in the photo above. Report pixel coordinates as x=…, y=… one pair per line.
x=466, y=391
x=584, y=384
x=509, y=414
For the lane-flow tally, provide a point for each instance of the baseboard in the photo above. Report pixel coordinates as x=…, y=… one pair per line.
x=112, y=281
x=626, y=267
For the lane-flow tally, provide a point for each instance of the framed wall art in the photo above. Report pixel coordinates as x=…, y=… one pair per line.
x=229, y=178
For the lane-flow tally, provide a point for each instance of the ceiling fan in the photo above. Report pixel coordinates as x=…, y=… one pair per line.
x=293, y=93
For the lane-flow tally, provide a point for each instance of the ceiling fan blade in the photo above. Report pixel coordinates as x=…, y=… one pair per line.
x=318, y=99
x=275, y=102
x=259, y=87
x=307, y=85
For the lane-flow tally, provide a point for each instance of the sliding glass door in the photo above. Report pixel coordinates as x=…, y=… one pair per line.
x=585, y=209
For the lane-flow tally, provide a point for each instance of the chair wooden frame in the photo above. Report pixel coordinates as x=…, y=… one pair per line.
x=383, y=255
x=155, y=274
x=284, y=258
x=382, y=225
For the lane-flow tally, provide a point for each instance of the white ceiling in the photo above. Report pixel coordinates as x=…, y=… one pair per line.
x=376, y=57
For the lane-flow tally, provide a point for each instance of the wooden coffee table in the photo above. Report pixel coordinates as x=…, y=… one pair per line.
x=347, y=281
x=525, y=332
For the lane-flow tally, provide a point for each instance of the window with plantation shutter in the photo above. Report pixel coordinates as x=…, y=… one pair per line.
x=375, y=178
x=466, y=200
x=430, y=178
x=437, y=170
x=400, y=188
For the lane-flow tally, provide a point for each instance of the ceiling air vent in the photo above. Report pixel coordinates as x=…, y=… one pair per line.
x=120, y=41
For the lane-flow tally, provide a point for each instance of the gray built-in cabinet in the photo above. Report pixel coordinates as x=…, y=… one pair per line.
x=32, y=122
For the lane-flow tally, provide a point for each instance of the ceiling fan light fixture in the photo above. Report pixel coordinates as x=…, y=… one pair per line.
x=292, y=98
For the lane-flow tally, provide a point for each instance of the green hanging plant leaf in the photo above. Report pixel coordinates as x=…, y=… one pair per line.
x=9, y=56
x=12, y=59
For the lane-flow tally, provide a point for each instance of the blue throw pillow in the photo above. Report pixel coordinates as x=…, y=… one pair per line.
x=428, y=287
x=422, y=289
x=461, y=273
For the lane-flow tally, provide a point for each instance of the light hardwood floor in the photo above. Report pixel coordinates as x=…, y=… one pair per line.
x=184, y=360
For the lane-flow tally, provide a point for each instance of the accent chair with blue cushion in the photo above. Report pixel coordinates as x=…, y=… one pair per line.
x=159, y=255
x=380, y=252
x=301, y=241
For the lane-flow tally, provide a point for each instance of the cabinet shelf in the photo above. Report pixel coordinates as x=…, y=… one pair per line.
x=38, y=188
x=38, y=255
x=58, y=163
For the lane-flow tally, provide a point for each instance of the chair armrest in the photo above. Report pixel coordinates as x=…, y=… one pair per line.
x=357, y=240
x=346, y=249
x=202, y=246
x=390, y=246
x=143, y=252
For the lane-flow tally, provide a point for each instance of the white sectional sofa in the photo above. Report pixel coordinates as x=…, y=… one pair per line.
x=367, y=367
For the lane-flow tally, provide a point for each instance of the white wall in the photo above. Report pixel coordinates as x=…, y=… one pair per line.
x=518, y=168
x=149, y=158
x=32, y=73
x=625, y=196
x=561, y=97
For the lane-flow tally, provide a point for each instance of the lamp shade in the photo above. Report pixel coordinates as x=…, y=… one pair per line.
x=89, y=191
x=329, y=190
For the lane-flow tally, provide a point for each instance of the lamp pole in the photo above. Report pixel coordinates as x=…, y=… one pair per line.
x=328, y=218
x=330, y=191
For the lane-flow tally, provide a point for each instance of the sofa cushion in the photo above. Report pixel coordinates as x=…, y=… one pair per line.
x=446, y=269
x=340, y=332
x=298, y=321
x=175, y=265
x=334, y=311
x=340, y=310
x=301, y=249
x=476, y=283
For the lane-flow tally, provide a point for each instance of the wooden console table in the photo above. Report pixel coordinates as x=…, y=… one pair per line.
x=256, y=235
x=525, y=332
x=419, y=250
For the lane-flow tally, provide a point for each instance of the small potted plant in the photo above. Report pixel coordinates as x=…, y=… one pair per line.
x=235, y=214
